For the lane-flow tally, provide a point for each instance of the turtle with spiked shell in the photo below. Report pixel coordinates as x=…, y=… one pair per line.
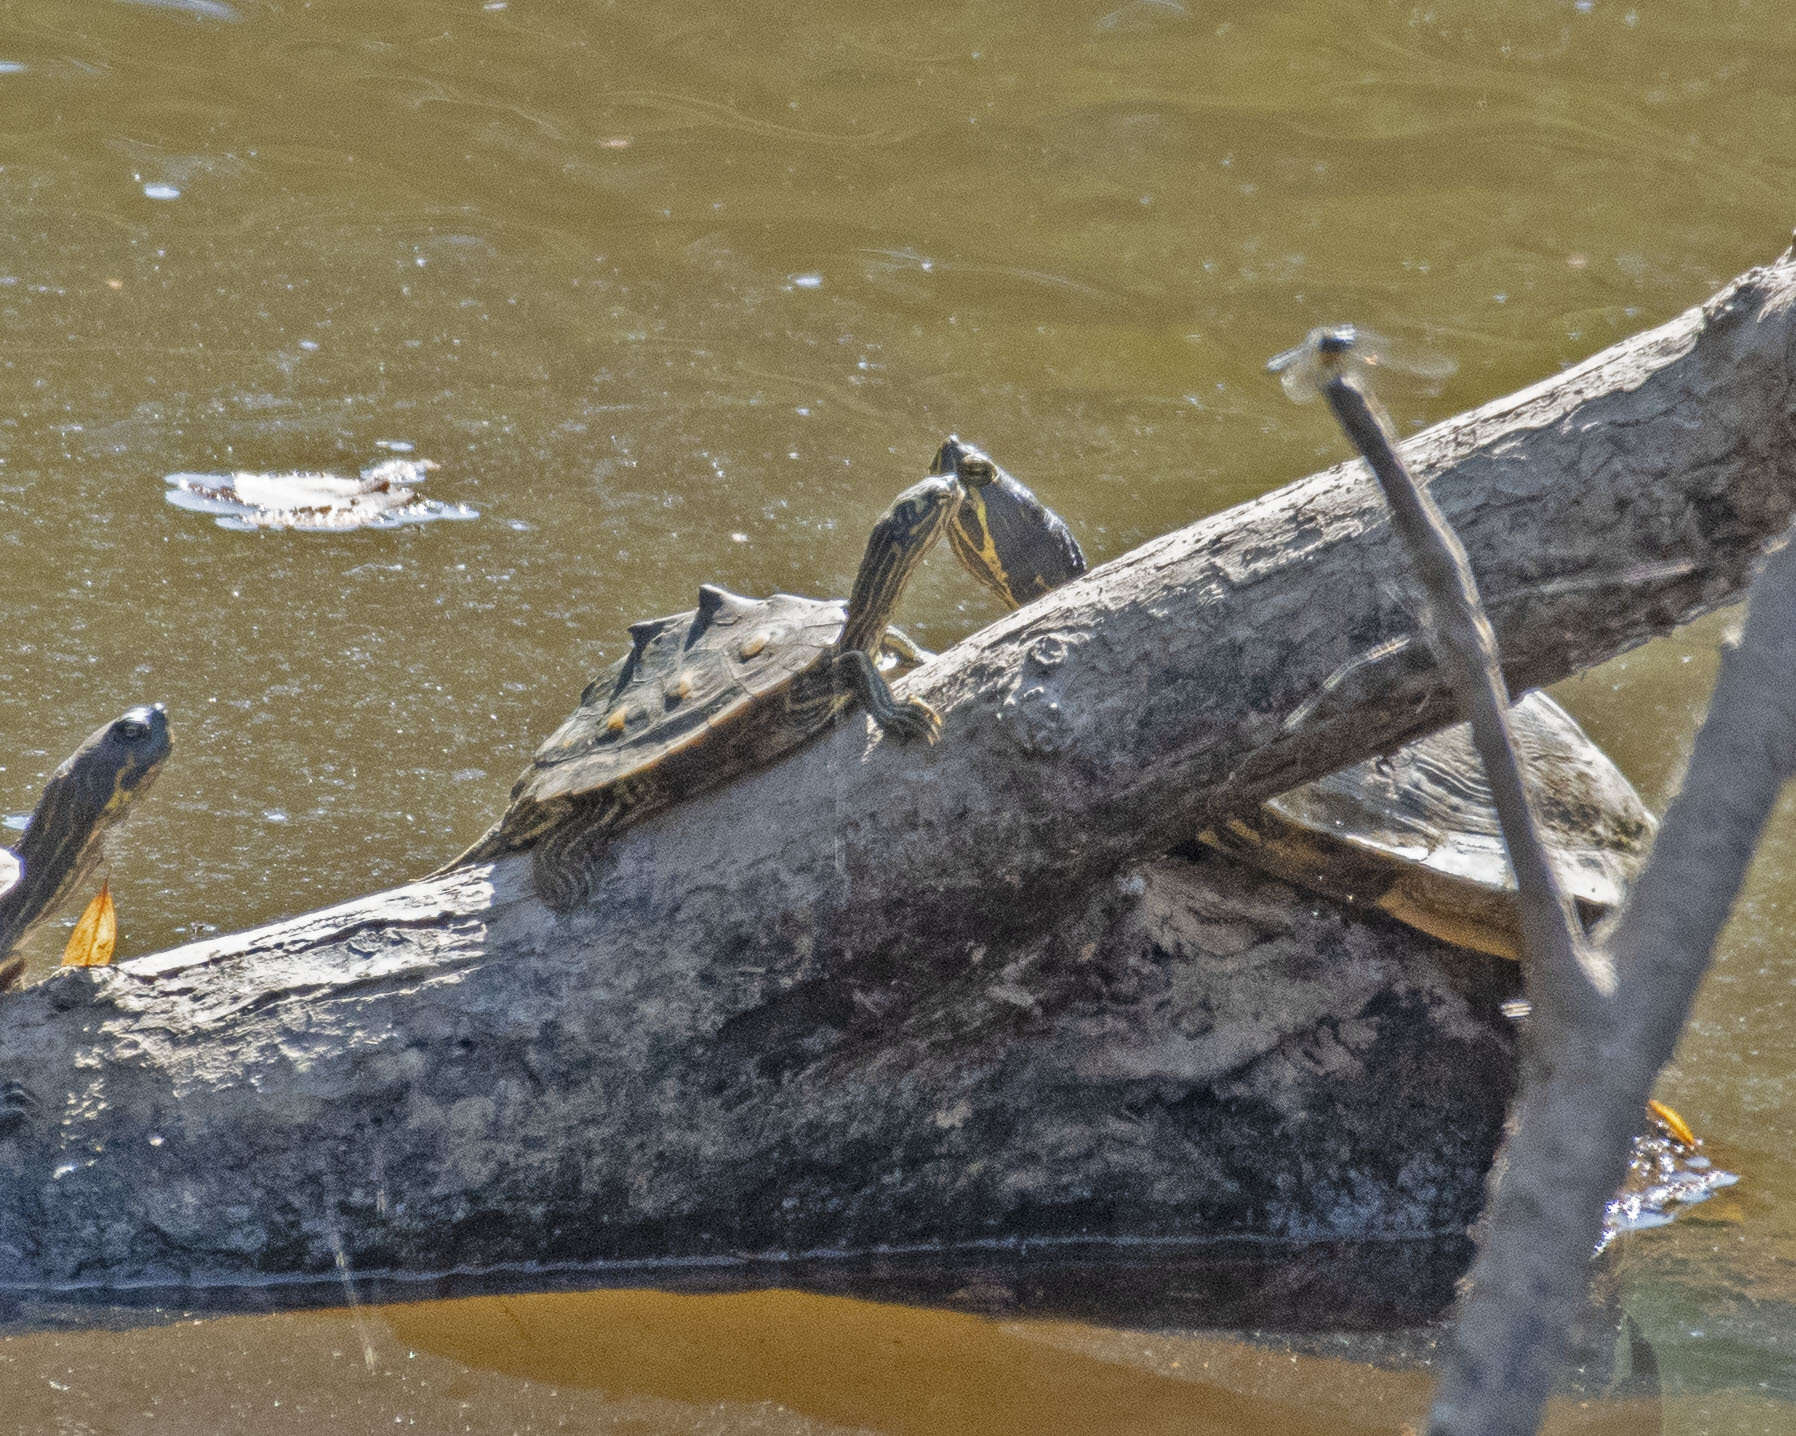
x=709, y=694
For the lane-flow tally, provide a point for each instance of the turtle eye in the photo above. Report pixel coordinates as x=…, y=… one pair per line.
x=978, y=469
x=132, y=730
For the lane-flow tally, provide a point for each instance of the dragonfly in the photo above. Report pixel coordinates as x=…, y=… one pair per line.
x=1337, y=348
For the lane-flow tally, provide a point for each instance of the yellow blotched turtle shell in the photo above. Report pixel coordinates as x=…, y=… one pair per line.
x=702, y=697
x=737, y=682
x=1415, y=832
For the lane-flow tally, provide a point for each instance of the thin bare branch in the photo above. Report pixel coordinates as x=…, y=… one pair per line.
x=1742, y=758
x=1562, y=983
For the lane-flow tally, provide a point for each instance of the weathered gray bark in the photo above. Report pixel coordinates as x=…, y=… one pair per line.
x=1188, y=1058
x=878, y=995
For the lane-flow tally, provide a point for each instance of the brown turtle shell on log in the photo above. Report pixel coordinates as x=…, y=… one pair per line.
x=1415, y=832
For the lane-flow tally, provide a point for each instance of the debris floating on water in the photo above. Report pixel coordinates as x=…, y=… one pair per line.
x=382, y=496
x=1665, y=1174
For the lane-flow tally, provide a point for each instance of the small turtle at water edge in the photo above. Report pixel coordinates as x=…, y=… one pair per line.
x=89, y=793
x=707, y=695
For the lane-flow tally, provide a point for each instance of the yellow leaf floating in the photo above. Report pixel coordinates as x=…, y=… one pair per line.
x=94, y=937
x=1676, y=1125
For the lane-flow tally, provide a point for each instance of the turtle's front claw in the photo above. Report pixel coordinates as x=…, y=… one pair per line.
x=915, y=719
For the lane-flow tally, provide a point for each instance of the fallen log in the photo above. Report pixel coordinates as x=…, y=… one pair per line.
x=937, y=1003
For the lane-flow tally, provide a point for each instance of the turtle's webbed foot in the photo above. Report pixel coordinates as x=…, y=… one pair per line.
x=564, y=865
x=913, y=719
x=907, y=720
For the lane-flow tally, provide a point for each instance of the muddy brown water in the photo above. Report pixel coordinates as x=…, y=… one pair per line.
x=677, y=292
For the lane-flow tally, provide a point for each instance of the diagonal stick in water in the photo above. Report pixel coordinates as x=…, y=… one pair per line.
x=1564, y=977
x=1510, y=1331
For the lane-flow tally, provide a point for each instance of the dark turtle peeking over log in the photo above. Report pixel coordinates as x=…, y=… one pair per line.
x=85, y=797
x=706, y=695
x=1413, y=833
